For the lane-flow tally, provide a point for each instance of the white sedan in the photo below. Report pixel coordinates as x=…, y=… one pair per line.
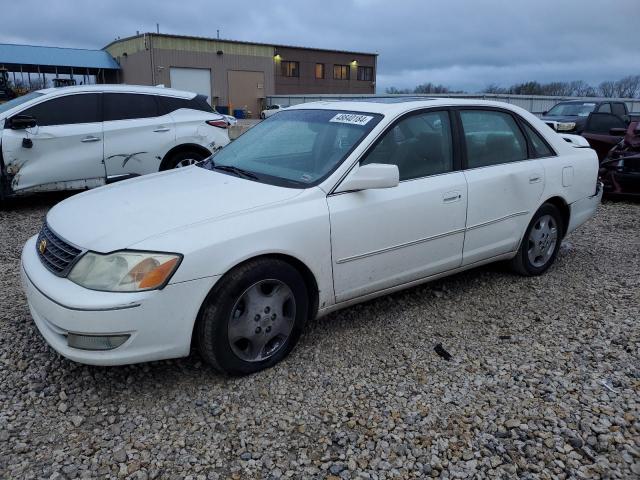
x=271, y=110
x=320, y=207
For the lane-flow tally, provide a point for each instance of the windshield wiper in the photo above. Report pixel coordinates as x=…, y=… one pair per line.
x=240, y=172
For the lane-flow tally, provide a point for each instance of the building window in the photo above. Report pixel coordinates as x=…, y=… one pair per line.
x=365, y=74
x=341, y=72
x=290, y=69
x=319, y=70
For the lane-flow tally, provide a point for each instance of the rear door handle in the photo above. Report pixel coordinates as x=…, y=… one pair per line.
x=162, y=129
x=90, y=138
x=534, y=179
x=451, y=197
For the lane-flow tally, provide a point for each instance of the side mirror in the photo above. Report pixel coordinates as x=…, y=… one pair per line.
x=371, y=176
x=545, y=113
x=20, y=122
x=618, y=132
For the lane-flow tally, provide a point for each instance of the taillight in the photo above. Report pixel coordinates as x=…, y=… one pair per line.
x=217, y=123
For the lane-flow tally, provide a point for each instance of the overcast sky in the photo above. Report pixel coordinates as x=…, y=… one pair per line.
x=462, y=44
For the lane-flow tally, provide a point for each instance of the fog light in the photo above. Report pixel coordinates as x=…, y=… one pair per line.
x=95, y=342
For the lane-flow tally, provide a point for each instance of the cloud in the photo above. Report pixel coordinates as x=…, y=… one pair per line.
x=462, y=44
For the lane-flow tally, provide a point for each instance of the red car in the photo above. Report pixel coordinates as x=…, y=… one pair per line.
x=618, y=148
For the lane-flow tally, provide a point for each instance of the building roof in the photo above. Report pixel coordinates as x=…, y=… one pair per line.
x=275, y=45
x=11, y=54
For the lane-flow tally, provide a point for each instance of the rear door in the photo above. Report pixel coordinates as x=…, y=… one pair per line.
x=65, y=149
x=504, y=183
x=381, y=238
x=137, y=135
x=598, y=133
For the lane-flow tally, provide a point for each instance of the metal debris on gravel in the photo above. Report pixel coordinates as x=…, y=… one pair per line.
x=544, y=382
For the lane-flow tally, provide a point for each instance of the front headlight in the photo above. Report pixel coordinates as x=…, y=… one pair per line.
x=566, y=126
x=125, y=271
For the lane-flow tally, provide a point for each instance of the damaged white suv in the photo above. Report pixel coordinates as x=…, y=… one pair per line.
x=85, y=136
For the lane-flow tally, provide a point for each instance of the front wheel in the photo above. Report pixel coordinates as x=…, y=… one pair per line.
x=253, y=318
x=541, y=242
x=183, y=158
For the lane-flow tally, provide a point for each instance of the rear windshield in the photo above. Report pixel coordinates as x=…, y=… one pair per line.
x=296, y=148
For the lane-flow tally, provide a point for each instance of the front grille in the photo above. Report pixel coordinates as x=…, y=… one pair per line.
x=55, y=254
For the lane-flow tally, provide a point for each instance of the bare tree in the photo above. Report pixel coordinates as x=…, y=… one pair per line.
x=627, y=87
x=607, y=89
x=494, y=88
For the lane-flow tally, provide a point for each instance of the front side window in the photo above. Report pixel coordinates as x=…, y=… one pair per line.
x=126, y=106
x=341, y=72
x=319, y=71
x=605, y=108
x=492, y=138
x=365, y=74
x=290, y=69
x=295, y=148
x=420, y=145
x=67, y=110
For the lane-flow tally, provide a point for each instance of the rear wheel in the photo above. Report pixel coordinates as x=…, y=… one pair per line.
x=541, y=242
x=183, y=158
x=253, y=318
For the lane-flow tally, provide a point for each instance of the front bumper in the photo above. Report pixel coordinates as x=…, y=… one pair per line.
x=159, y=323
x=584, y=209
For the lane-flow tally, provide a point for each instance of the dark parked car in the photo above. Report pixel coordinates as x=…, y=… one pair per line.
x=571, y=116
x=618, y=149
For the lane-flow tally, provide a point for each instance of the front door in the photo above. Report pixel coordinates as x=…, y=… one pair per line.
x=136, y=136
x=504, y=184
x=597, y=131
x=387, y=237
x=64, y=150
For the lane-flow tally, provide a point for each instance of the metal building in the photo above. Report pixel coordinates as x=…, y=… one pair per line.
x=240, y=75
x=28, y=64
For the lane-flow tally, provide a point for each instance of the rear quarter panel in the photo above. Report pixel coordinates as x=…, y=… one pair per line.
x=190, y=127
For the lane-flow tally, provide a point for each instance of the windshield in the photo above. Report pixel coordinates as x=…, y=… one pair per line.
x=4, y=107
x=295, y=148
x=572, y=109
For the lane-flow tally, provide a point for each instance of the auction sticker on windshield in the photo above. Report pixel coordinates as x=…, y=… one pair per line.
x=351, y=118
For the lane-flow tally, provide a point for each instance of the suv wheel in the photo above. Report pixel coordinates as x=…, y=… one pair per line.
x=183, y=158
x=253, y=318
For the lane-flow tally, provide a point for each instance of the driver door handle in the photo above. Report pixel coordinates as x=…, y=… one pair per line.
x=90, y=138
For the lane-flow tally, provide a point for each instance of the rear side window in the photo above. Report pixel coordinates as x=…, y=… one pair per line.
x=539, y=146
x=492, y=138
x=171, y=104
x=618, y=109
x=125, y=106
x=67, y=110
x=420, y=145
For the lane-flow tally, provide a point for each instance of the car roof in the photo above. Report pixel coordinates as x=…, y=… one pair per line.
x=122, y=88
x=394, y=106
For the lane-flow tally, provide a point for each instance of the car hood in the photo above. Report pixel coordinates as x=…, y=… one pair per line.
x=120, y=215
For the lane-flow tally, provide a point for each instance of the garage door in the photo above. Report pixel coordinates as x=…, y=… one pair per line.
x=196, y=80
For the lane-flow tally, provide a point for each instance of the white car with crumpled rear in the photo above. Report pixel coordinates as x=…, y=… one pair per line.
x=317, y=208
x=85, y=136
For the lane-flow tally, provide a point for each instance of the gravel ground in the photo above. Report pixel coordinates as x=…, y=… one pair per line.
x=544, y=382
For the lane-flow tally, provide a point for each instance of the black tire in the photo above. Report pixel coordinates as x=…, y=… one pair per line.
x=212, y=326
x=175, y=159
x=521, y=263
x=262, y=116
